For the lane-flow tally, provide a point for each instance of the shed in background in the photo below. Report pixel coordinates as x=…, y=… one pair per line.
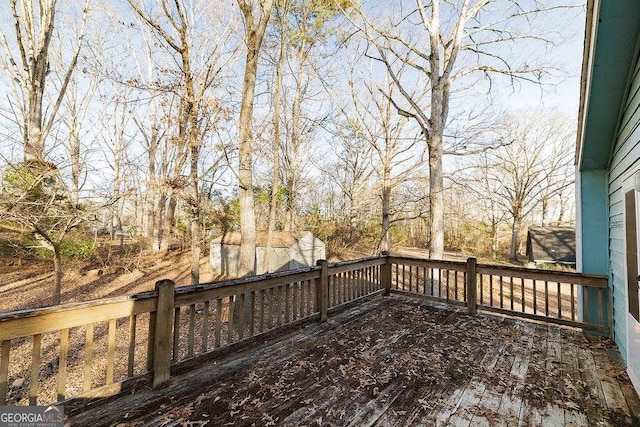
x=555, y=245
x=288, y=251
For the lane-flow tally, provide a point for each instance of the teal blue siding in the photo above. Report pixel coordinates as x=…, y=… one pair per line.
x=624, y=162
x=594, y=236
x=593, y=200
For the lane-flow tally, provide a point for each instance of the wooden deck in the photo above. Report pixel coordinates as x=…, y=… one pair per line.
x=391, y=361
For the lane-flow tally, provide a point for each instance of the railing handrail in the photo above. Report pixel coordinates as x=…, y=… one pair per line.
x=593, y=280
x=131, y=304
x=69, y=306
x=333, y=284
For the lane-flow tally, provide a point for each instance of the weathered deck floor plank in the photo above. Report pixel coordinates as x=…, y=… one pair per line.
x=392, y=361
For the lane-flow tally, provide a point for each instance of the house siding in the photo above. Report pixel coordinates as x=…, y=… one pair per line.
x=625, y=161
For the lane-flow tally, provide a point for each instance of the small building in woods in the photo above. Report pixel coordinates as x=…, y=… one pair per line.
x=551, y=245
x=288, y=251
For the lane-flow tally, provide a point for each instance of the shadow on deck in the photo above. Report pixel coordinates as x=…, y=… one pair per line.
x=391, y=361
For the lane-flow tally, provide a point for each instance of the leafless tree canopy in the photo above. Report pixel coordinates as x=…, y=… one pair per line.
x=375, y=125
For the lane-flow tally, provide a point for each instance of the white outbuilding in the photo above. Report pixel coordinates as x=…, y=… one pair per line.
x=288, y=251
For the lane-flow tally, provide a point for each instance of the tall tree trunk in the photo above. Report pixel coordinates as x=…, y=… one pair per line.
x=513, y=253
x=386, y=214
x=296, y=126
x=254, y=34
x=545, y=207
x=289, y=215
x=494, y=239
x=245, y=172
x=436, y=197
x=156, y=215
x=169, y=220
x=57, y=281
x=275, y=176
x=195, y=217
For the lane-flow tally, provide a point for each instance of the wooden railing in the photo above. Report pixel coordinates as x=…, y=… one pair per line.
x=551, y=296
x=91, y=349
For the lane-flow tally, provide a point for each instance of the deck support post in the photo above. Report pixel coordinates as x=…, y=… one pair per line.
x=163, y=332
x=322, y=289
x=471, y=284
x=385, y=273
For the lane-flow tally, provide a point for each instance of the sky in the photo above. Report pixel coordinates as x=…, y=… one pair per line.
x=562, y=95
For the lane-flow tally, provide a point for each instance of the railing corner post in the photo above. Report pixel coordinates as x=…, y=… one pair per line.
x=163, y=332
x=322, y=289
x=471, y=284
x=385, y=273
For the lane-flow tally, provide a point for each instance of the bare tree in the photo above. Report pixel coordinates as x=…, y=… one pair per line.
x=175, y=24
x=255, y=22
x=393, y=151
x=29, y=64
x=533, y=167
x=281, y=11
x=445, y=44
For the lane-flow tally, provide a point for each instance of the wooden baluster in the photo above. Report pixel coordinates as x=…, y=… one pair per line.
x=501, y=293
x=546, y=298
x=150, y=335
x=242, y=302
x=88, y=357
x=176, y=334
x=322, y=290
x=279, y=293
x=448, y=288
x=600, y=307
x=573, y=302
x=585, y=298
x=230, y=321
x=133, y=320
x=269, y=307
x=192, y=330
x=4, y=371
x=397, y=282
x=559, y=302
x=204, y=337
x=522, y=294
x=404, y=277
x=491, y=292
x=410, y=277
x=287, y=304
x=309, y=295
x=464, y=289
x=62, y=367
x=35, y=370
x=471, y=286
x=216, y=334
x=252, y=314
x=111, y=351
x=535, y=298
x=296, y=310
x=511, y=291
x=455, y=285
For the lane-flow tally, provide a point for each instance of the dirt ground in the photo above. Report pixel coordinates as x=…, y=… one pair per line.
x=30, y=284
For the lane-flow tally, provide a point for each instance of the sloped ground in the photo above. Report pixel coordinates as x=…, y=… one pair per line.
x=393, y=361
x=30, y=285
